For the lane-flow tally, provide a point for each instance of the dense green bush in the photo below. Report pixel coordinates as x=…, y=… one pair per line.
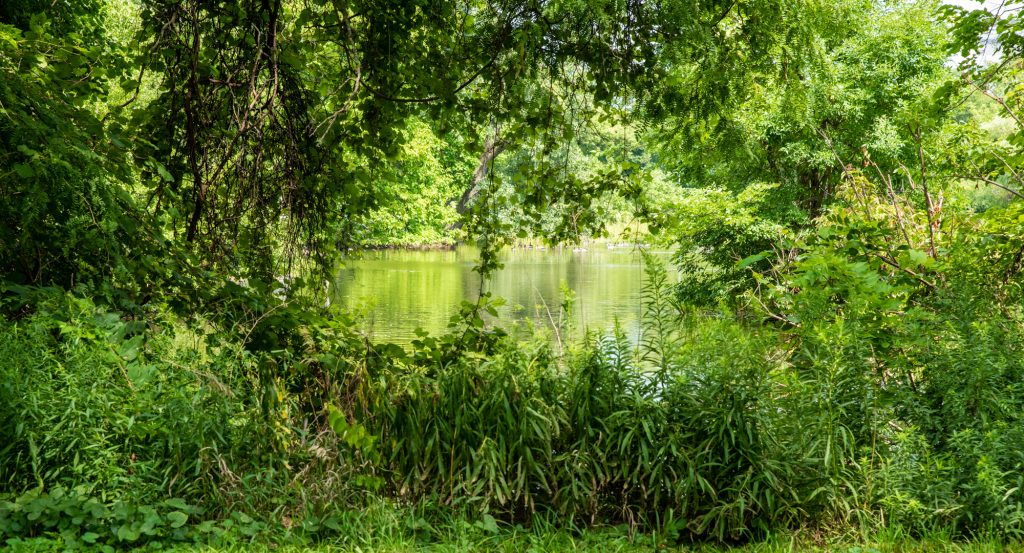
x=867, y=405
x=121, y=409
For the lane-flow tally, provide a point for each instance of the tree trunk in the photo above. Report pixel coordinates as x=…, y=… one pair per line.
x=492, y=147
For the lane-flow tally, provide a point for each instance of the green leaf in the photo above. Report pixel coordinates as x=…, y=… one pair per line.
x=337, y=421
x=177, y=503
x=127, y=533
x=27, y=151
x=163, y=172
x=177, y=519
x=917, y=258
x=24, y=171
x=750, y=260
x=488, y=524
x=116, y=140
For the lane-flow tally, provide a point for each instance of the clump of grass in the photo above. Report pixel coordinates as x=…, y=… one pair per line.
x=706, y=430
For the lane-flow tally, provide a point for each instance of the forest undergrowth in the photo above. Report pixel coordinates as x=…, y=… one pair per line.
x=846, y=400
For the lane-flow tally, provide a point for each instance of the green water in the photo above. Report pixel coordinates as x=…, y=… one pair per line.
x=401, y=290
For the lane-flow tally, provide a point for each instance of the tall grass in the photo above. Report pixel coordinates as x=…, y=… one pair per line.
x=708, y=428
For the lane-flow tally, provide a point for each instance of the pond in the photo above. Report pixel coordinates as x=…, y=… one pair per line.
x=403, y=290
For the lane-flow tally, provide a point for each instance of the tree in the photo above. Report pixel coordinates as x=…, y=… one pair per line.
x=256, y=132
x=859, y=104
x=275, y=117
x=990, y=44
x=66, y=217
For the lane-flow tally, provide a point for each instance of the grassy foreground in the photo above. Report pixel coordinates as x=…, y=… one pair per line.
x=562, y=543
x=469, y=538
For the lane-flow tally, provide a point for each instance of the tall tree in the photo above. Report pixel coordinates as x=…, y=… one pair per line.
x=274, y=116
x=775, y=160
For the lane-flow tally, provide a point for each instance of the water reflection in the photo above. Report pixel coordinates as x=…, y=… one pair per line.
x=402, y=290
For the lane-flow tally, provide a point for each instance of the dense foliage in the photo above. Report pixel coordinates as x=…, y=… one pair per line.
x=841, y=354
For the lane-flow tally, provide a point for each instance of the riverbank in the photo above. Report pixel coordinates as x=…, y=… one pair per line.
x=286, y=426
x=618, y=236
